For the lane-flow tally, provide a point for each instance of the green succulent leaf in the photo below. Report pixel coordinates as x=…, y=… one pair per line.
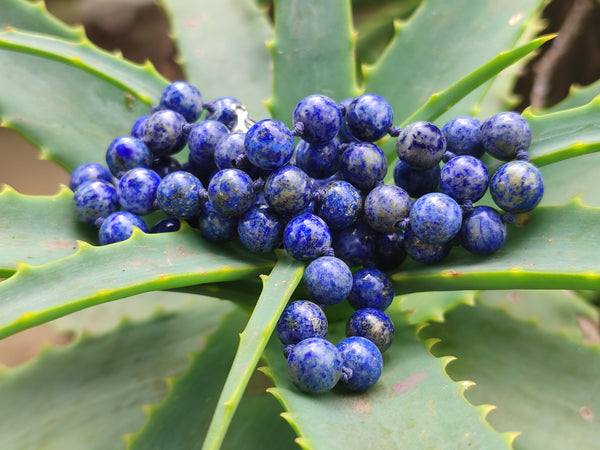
x=413, y=402
x=553, y=248
x=578, y=96
x=222, y=48
x=423, y=307
x=145, y=262
x=33, y=16
x=100, y=383
x=574, y=177
x=539, y=381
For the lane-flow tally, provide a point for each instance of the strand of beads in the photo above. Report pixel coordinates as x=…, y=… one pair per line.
x=323, y=200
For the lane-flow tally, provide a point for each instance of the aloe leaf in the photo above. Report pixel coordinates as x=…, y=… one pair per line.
x=564, y=134
x=142, y=82
x=440, y=44
x=38, y=229
x=553, y=248
x=145, y=262
x=578, y=96
x=413, y=403
x=222, y=48
x=312, y=53
x=80, y=380
x=557, y=311
x=34, y=16
x=278, y=287
x=432, y=306
x=539, y=381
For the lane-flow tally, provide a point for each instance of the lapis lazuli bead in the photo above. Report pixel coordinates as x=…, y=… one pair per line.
x=288, y=190
x=224, y=110
x=89, y=172
x=327, y=280
x=371, y=288
x=202, y=140
x=177, y=194
x=164, y=165
x=168, y=225
x=421, y=145
x=354, y=244
x=319, y=160
x=260, y=229
x=385, y=206
x=184, y=98
x=482, y=232
x=369, y=117
x=388, y=250
x=363, y=164
x=464, y=178
x=301, y=319
x=228, y=150
x=95, y=200
x=306, y=237
x=463, y=136
x=137, y=190
x=125, y=153
x=269, y=144
x=230, y=191
x=214, y=226
x=416, y=182
x=119, y=226
x=314, y=365
x=435, y=218
x=517, y=187
x=364, y=361
x=320, y=119
x=423, y=252
x=372, y=324
x=504, y=134
x=164, y=132
x=137, y=129
x=339, y=205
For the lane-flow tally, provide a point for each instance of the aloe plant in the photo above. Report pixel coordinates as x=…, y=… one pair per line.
x=489, y=352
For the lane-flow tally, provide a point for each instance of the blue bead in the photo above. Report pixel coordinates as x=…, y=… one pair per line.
x=421, y=145
x=177, y=194
x=423, y=252
x=354, y=244
x=363, y=164
x=435, y=218
x=364, y=361
x=89, y=172
x=269, y=144
x=320, y=117
x=306, y=237
x=137, y=129
x=215, y=226
x=228, y=149
x=385, y=206
x=261, y=230
x=344, y=134
x=167, y=225
x=314, y=365
x=137, y=190
x=416, y=182
x=288, y=190
x=371, y=288
x=483, y=232
x=230, y=191
x=119, y=226
x=164, y=132
x=372, y=324
x=202, y=141
x=517, y=187
x=327, y=280
x=224, y=110
x=184, y=98
x=339, y=205
x=505, y=133
x=368, y=117
x=301, y=320
x=319, y=160
x=164, y=165
x=388, y=250
x=463, y=136
x=95, y=200
x=464, y=178
x=125, y=153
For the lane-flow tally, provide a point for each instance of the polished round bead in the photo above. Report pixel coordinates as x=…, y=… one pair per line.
x=125, y=153
x=203, y=139
x=421, y=145
x=371, y=288
x=464, y=178
x=184, y=98
x=354, y=244
x=168, y=225
x=306, y=237
x=137, y=190
x=320, y=119
x=230, y=191
x=164, y=132
x=416, y=182
x=228, y=150
x=95, y=200
x=344, y=134
x=288, y=190
x=463, y=136
x=435, y=218
x=214, y=226
x=423, y=252
x=482, y=232
x=164, y=165
x=177, y=194
x=223, y=109
x=261, y=230
x=301, y=320
x=517, y=187
x=137, y=129
x=363, y=164
x=369, y=117
x=339, y=204
x=327, y=280
x=372, y=324
x=319, y=160
x=314, y=365
x=388, y=250
x=269, y=144
x=89, y=172
x=504, y=134
x=385, y=206
x=362, y=359
x=119, y=226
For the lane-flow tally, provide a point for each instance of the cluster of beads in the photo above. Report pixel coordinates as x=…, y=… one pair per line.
x=323, y=200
